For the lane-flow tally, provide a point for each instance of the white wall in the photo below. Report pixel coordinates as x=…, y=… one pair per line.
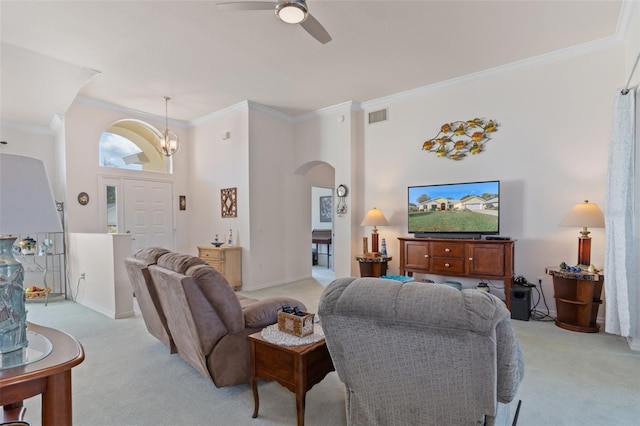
x=216, y=163
x=280, y=211
x=106, y=287
x=549, y=153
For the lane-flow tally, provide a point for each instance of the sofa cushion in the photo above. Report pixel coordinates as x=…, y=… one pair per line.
x=150, y=255
x=179, y=262
x=245, y=301
x=220, y=295
x=264, y=312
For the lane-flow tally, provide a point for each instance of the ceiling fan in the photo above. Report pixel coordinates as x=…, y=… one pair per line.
x=288, y=11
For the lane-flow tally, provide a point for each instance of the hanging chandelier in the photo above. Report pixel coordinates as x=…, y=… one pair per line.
x=168, y=144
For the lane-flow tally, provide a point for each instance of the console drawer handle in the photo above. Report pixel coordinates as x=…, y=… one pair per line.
x=471, y=258
x=446, y=265
x=447, y=250
x=426, y=255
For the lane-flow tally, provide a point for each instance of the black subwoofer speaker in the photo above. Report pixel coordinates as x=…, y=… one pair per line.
x=520, y=303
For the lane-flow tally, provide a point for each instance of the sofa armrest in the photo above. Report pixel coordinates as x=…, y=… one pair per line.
x=264, y=312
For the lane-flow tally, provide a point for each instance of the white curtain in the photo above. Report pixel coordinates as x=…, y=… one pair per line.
x=620, y=263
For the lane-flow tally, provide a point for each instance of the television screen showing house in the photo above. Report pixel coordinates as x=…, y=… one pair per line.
x=455, y=208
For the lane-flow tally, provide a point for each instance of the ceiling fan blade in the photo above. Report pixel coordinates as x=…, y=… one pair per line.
x=315, y=28
x=247, y=5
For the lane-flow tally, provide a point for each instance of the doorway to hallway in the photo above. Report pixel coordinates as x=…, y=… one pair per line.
x=322, y=224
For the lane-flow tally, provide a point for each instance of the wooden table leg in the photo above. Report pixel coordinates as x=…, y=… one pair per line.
x=301, y=388
x=254, y=381
x=301, y=397
x=13, y=412
x=56, y=400
x=256, y=402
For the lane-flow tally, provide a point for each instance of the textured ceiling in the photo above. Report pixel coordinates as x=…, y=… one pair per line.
x=132, y=53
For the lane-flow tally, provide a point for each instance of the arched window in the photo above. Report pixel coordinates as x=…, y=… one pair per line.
x=130, y=144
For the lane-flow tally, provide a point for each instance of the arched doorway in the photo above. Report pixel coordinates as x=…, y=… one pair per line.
x=321, y=177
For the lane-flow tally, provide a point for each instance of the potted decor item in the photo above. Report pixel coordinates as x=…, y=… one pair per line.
x=28, y=246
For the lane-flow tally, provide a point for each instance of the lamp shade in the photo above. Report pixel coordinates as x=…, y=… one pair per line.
x=26, y=200
x=584, y=214
x=374, y=217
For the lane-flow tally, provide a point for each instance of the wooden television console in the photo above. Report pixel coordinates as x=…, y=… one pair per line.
x=465, y=258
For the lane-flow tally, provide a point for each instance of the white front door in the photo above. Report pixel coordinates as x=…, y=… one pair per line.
x=148, y=213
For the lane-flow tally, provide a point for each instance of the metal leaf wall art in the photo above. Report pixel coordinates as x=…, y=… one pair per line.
x=459, y=138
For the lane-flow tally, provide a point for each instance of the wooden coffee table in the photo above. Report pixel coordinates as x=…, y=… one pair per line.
x=297, y=368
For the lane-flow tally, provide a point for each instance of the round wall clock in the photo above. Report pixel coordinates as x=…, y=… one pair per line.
x=83, y=198
x=341, y=192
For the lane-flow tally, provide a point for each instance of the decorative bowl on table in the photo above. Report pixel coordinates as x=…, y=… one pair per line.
x=217, y=243
x=35, y=292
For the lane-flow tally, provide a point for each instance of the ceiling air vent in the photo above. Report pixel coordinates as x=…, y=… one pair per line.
x=378, y=116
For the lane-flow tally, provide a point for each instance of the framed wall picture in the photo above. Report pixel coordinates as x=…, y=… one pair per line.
x=228, y=202
x=325, y=209
x=183, y=202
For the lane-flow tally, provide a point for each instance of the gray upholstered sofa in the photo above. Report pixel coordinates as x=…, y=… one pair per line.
x=420, y=353
x=206, y=320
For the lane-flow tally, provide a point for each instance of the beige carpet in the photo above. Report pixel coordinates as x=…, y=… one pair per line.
x=129, y=378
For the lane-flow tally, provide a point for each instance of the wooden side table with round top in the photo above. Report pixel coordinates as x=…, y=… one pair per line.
x=49, y=375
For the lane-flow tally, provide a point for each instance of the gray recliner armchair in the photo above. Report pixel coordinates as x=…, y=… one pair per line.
x=420, y=353
x=147, y=295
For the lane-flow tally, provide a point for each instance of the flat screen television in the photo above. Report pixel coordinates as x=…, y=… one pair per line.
x=454, y=210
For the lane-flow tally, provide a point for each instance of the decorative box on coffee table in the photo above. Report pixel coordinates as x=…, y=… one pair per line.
x=294, y=324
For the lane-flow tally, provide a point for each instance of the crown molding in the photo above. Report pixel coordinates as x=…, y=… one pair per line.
x=547, y=58
x=334, y=109
x=129, y=111
x=239, y=107
x=270, y=111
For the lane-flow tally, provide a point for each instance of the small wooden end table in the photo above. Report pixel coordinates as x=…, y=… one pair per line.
x=297, y=368
x=50, y=376
x=578, y=297
x=373, y=266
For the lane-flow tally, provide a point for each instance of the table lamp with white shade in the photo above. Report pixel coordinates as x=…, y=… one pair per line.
x=26, y=206
x=374, y=218
x=584, y=215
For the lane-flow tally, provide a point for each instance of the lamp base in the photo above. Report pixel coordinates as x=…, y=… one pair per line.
x=375, y=246
x=13, y=315
x=584, y=251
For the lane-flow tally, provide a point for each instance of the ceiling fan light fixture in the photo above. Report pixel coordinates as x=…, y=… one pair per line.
x=292, y=12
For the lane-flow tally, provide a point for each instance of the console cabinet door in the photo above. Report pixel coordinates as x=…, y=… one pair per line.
x=486, y=259
x=416, y=255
